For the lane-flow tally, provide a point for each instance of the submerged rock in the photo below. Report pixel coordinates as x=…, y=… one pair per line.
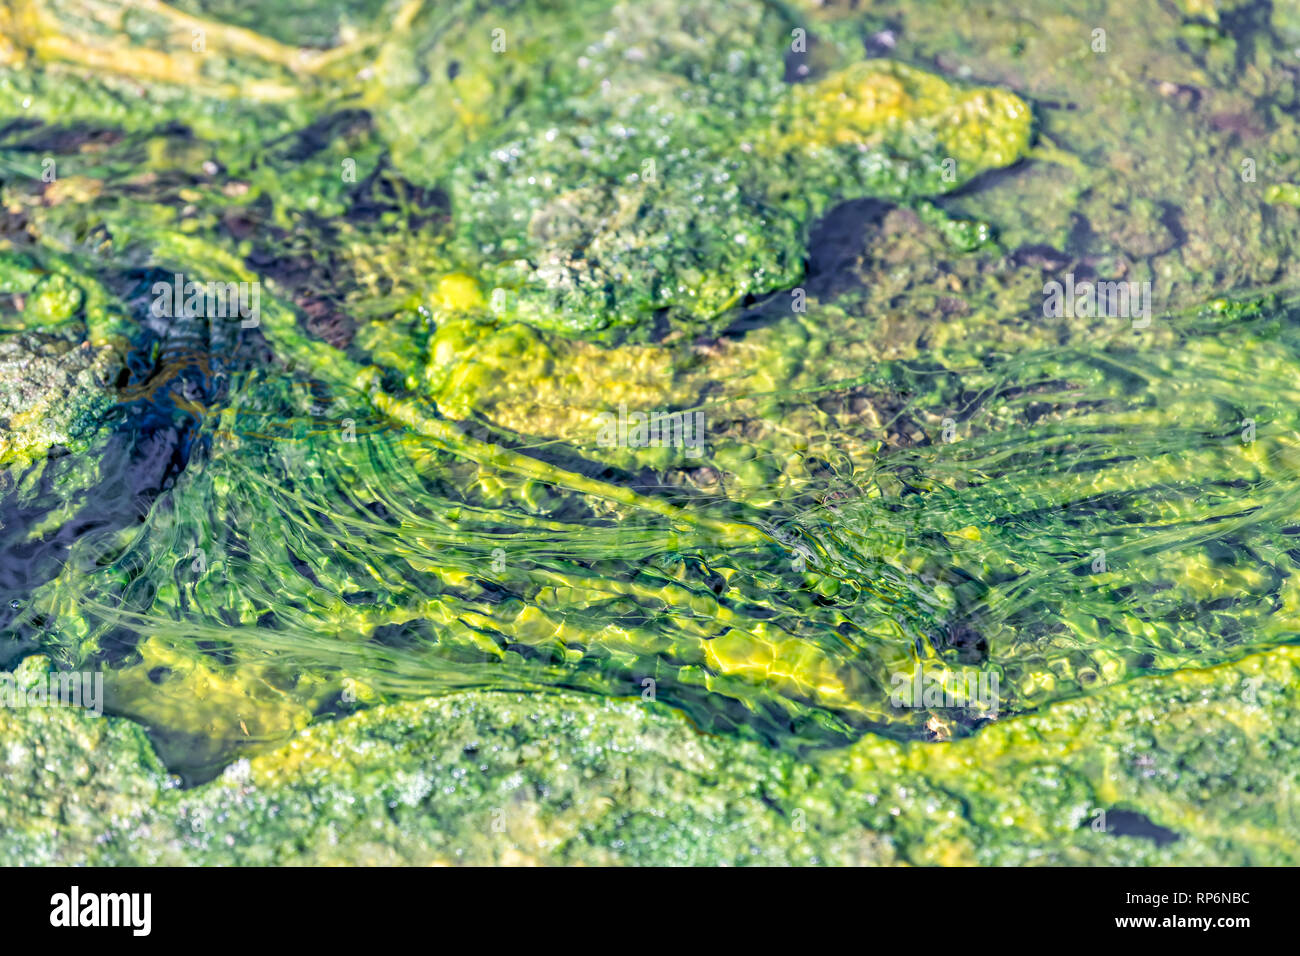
x=52, y=393
x=56, y=378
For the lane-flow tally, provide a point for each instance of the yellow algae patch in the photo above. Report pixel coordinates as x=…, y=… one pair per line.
x=521, y=380
x=202, y=709
x=456, y=293
x=76, y=189
x=793, y=667
x=1203, y=9
x=878, y=102
x=185, y=50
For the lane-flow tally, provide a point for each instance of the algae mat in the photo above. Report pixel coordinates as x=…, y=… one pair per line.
x=590, y=432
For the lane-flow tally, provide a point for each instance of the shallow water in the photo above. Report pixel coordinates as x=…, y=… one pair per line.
x=394, y=486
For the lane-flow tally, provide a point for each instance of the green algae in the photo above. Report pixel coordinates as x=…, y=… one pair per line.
x=411, y=572
x=686, y=200
x=501, y=778
x=916, y=471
